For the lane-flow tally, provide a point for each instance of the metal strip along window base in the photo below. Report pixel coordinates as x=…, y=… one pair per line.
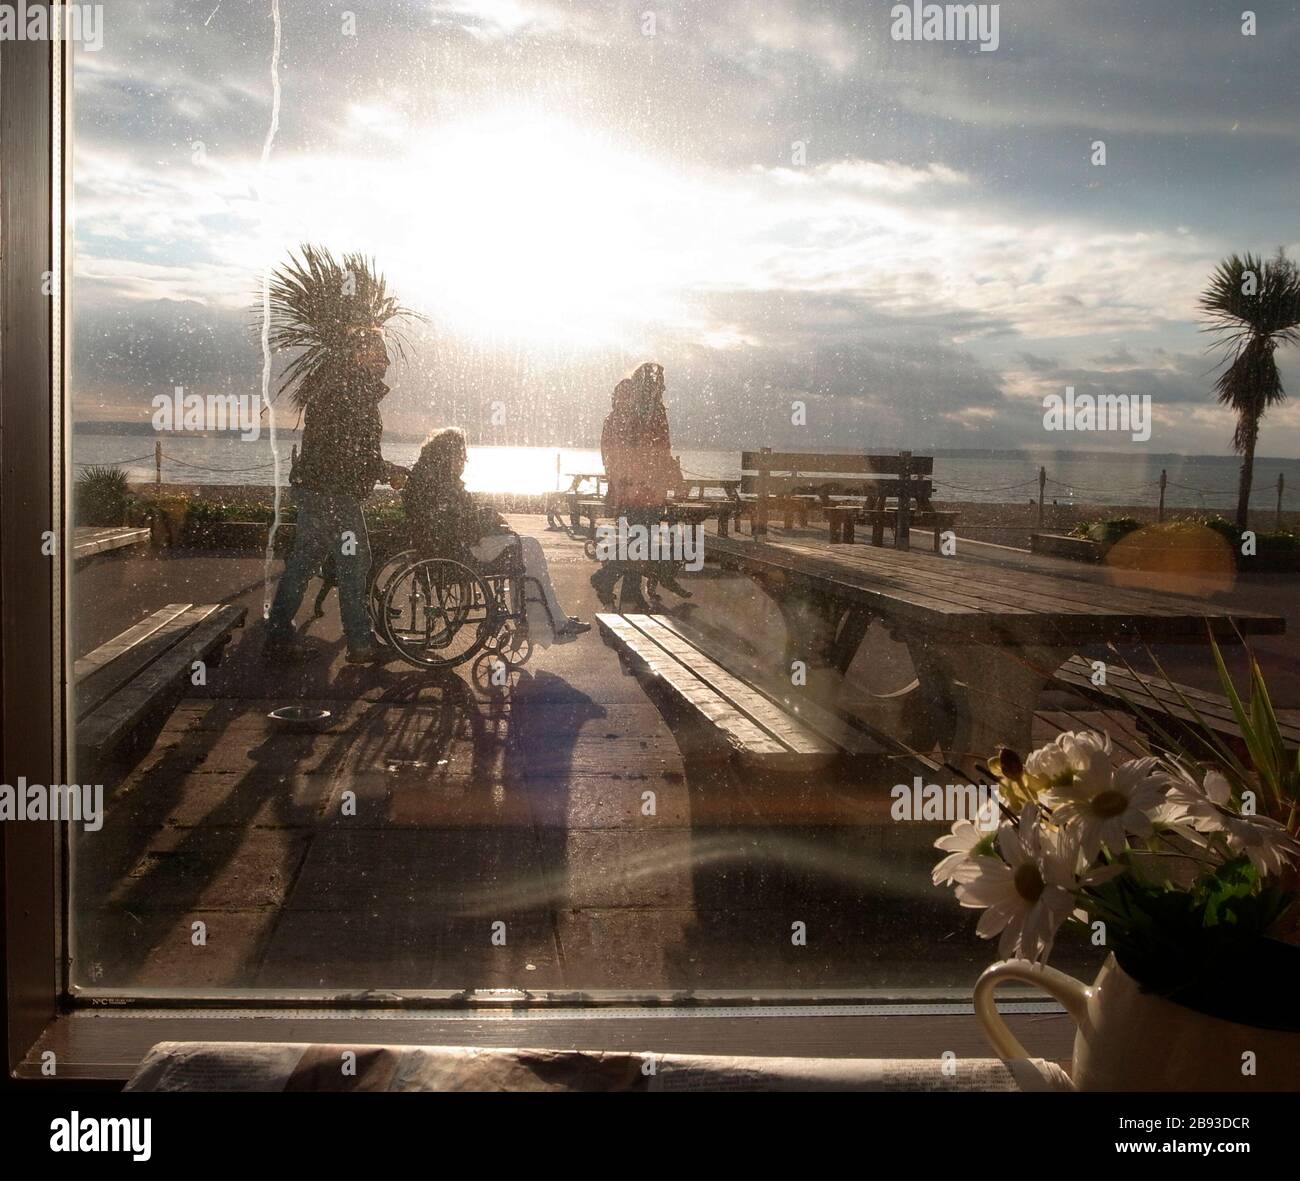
x=649, y=1013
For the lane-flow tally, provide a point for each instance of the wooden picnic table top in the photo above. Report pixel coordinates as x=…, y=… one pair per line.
x=976, y=600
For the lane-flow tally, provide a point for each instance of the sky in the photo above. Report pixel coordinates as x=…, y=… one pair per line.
x=776, y=200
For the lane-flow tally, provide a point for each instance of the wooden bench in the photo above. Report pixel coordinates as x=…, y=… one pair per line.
x=1167, y=703
x=144, y=671
x=688, y=505
x=847, y=488
x=693, y=495
x=89, y=540
x=583, y=498
x=591, y=511
x=759, y=727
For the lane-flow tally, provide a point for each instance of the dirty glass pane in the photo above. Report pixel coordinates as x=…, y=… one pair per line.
x=841, y=367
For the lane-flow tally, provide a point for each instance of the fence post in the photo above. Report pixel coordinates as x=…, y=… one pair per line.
x=903, y=525
x=1281, y=483
x=1164, y=479
x=1042, y=485
x=157, y=463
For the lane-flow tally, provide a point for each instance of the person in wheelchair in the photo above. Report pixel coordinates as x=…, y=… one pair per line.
x=445, y=520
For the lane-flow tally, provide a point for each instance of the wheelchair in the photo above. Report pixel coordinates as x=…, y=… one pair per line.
x=437, y=612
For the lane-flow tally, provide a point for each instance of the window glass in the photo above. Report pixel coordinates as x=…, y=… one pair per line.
x=851, y=367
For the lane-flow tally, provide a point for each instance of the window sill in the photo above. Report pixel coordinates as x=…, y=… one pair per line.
x=108, y=1044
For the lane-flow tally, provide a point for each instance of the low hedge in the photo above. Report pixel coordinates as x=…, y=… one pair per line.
x=208, y=523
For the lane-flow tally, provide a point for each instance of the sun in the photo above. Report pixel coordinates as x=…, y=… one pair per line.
x=528, y=228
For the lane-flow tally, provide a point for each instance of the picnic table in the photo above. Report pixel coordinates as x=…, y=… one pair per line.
x=585, y=492
x=692, y=503
x=586, y=499
x=984, y=641
x=698, y=488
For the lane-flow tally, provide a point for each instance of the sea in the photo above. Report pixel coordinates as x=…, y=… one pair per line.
x=1205, y=482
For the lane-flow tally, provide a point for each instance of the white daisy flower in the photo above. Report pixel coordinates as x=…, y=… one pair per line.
x=1075, y=756
x=1206, y=808
x=960, y=845
x=1028, y=893
x=1105, y=805
x=1271, y=849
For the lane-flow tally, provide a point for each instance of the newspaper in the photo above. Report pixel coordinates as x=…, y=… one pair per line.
x=277, y=1066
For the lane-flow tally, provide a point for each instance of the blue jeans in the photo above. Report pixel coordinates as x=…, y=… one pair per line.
x=324, y=520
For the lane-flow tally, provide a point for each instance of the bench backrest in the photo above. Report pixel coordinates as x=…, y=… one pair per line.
x=830, y=474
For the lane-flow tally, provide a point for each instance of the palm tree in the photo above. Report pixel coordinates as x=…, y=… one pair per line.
x=318, y=304
x=1253, y=305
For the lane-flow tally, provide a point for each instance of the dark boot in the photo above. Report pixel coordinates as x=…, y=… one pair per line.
x=632, y=601
x=603, y=583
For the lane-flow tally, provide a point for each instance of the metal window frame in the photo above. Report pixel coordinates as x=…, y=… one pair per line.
x=33, y=585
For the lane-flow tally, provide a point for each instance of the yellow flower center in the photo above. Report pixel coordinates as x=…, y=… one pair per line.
x=1028, y=882
x=1108, y=803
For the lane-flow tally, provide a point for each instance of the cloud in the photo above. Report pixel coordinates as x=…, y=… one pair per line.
x=946, y=253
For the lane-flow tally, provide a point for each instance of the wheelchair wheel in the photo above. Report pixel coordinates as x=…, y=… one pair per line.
x=379, y=586
x=437, y=613
x=511, y=644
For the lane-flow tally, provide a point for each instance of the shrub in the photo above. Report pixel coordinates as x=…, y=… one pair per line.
x=102, y=496
x=203, y=512
x=1107, y=532
x=386, y=516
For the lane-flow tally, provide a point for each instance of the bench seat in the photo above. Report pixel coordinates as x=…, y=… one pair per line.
x=1167, y=702
x=144, y=670
x=689, y=512
x=935, y=519
x=590, y=511
x=760, y=730
x=90, y=540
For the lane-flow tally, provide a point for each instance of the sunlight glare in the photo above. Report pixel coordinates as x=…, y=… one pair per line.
x=536, y=231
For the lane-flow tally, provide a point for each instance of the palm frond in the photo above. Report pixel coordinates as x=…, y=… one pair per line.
x=1249, y=386
x=317, y=305
x=1237, y=307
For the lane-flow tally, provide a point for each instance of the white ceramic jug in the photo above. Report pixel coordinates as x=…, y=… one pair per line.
x=1128, y=1039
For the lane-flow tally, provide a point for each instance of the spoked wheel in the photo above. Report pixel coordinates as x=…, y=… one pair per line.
x=379, y=587
x=438, y=613
x=511, y=644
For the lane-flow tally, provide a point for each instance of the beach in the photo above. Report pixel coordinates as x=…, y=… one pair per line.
x=1116, y=480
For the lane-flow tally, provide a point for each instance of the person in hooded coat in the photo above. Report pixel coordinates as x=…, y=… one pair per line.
x=636, y=448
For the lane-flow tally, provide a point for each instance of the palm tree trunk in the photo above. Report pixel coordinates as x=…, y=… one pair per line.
x=1251, y=433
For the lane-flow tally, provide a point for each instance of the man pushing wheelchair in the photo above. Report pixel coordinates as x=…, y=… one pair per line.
x=339, y=315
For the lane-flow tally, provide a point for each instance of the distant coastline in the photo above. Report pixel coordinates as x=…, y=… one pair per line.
x=112, y=428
